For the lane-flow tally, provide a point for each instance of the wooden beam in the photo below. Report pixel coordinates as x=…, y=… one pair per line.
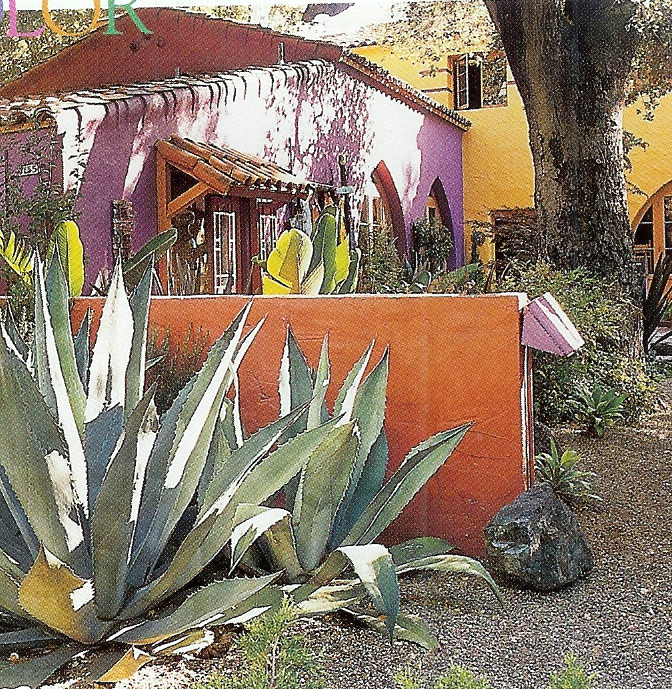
x=188, y=197
x=163, y=220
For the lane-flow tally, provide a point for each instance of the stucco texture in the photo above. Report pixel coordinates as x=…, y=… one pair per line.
x=453, y=360
x=300, y=116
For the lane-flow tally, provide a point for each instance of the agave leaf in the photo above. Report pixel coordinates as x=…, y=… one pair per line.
x=56, y=370
x=61, y=600
x=345, y=399
x=374, y=566
x=205, y=606
x=189, y=642
x=135, y=373
x=419, y=465
x=101, y=436
x=213, y=527
x=408, y=627
x=330, y=598
x=220, y=449
x=21, y=543
x=419, y=548
x=182, y=445
x=9, y=590
x=111, y=352
x=369, y=410
x=452, y=563
x=116, y=510
x=33, y=446
x=21, y=639
x=36, y=670
x=134, y=268
x=324, y=482
x=20, y=347
x=370, y=482
x=81, y=345
x=317, y=412
x=245, y=458
x=250, y=522
x=349, y=285
x=118, y=664
x=295, y=389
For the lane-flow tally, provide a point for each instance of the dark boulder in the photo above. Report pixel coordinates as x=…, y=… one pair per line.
x=536, y=542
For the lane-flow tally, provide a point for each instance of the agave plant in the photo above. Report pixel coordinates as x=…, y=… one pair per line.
x=568, y=482
x=339, y=504
x=108, y=513
x=317, y=263
x=600, y=407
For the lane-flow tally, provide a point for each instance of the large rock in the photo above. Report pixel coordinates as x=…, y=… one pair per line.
x=536, y=542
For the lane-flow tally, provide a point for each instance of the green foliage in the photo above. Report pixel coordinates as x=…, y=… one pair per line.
x=657, y=303
x=277, y=656
x=433, y=243
x=382, y=270
x=572, y=676
x=606, y=318
x=568, y=482
x=124, y=509
x=176, y=361
x=601, y=408
x=340, y=503
x=456, y=678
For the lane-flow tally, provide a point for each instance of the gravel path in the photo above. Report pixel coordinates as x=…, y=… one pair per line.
x=618, y=621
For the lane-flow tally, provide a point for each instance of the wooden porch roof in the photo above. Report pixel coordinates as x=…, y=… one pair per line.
x=226, y=170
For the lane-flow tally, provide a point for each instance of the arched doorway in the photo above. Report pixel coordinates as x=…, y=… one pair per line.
x=653, y=228
x=381, y=210
x=438, y=210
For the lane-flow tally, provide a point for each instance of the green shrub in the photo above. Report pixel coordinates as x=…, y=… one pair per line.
x=277, y=656
x=600, y=408
x=456, y=678
x=178, y=360
x=572, y=676
x=606, y=319
x=568, y=482
x=381, y=267
x=433, y=244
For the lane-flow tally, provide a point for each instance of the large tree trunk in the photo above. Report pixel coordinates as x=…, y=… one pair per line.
x=571, y=61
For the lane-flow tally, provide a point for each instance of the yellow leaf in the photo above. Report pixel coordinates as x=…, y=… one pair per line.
x=271, y=285
x=342, y=260
x=311, y=285
x=127, y=666
x=61, y=600
x=290, y=259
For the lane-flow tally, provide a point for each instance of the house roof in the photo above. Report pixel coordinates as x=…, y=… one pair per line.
x=193, y=46
x=223, y=168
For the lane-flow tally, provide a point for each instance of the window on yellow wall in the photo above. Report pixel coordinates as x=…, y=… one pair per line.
x=644, y=241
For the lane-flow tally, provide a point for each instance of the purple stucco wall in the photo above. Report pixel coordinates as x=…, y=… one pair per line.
x=301, y=116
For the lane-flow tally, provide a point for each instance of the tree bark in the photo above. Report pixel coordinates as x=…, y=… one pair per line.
x=571, y=60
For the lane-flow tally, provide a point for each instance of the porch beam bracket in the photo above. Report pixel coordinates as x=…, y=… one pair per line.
x=180, y=202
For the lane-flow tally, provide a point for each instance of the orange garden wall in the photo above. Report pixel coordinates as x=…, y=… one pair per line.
x=453, y=359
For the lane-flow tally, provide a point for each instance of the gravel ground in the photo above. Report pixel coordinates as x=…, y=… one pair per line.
x=618, y=621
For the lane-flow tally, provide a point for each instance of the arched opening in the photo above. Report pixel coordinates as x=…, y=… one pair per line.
x=381, y=210
x=652, y=226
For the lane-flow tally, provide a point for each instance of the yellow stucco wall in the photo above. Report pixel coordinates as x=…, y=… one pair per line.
x=497, y=163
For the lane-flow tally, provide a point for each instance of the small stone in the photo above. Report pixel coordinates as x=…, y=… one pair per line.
x=536, y=542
